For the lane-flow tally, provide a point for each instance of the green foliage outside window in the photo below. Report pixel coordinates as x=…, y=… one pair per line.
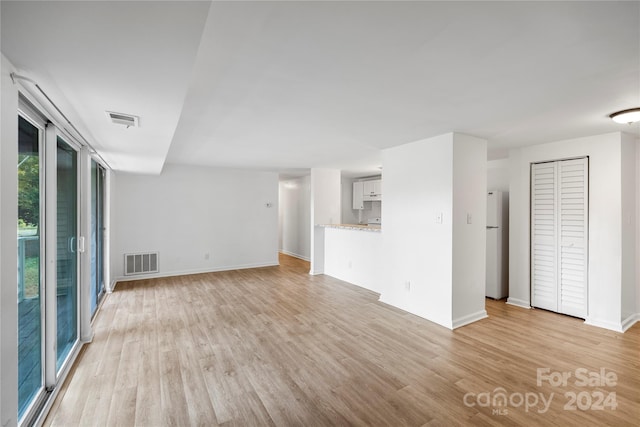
x=28, y=191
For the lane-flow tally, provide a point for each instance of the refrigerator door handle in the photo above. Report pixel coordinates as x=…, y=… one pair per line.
x=492, y=226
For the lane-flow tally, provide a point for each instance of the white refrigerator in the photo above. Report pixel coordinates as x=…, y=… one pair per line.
x=497, y=285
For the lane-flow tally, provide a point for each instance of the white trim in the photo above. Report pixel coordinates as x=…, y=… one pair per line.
x=605, y=324
x=355, y=284
x=304, y=258
x=470, y=318
x=51, y=253
x=29, y=111
x=36, y=119
x=190, y=272
x=519, y=303
x=396, y=305
x=93, y=155
x=316, y=272
x=47, y=114
x=85, y=332
x=106, y=237
x=630, y=321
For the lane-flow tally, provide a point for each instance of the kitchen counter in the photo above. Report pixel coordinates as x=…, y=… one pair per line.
x=359, y=227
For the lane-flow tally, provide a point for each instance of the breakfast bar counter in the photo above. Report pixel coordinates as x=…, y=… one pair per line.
x=353, y=253
x=359, y=227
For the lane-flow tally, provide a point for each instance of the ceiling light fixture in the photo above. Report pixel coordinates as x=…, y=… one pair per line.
x=629, y=116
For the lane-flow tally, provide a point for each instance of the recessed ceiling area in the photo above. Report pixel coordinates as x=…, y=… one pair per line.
x=96, y=56
x=290, y=85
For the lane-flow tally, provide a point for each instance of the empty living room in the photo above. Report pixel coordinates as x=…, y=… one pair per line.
x=319, y=213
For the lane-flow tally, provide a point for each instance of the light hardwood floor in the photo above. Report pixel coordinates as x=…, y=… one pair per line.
x=275, y=346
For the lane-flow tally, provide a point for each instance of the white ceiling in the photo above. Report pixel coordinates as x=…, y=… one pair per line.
x=293, y=85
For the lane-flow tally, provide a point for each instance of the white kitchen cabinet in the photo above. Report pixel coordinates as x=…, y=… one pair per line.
x=358, y=192
x=372, y=190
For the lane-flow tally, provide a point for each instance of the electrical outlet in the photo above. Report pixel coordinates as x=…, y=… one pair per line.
x=407, y=286
x=350, y=265
x=439, y=218
x=207, y=256
x=469, y=218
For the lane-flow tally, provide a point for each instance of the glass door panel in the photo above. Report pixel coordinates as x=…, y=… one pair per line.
x=30, y=376
x=97, y=227
x=67, y=257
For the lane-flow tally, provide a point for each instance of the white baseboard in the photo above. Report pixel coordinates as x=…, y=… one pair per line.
x=304, y=258
x=189, y=272
x=605, y=324
x=360, y=285
x=444, y=323
x=519, y=303
x=316, y=272
x=630, y=321
x=87, y=338
x=470, y=318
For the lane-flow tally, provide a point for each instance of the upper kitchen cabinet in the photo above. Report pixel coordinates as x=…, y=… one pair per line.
x=372, y=190
x=358, y=194
x=366, y=191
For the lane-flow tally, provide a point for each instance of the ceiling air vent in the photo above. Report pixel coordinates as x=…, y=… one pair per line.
x=123, y=119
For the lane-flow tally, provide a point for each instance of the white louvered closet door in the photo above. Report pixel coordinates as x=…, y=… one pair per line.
x=573, y=216
x=544, y=236
x=559, y=218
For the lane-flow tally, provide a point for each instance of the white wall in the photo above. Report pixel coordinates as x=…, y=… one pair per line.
x=188, y=212
x=605, y=221
x=355, y=256
x=325, y=209
x=8, y=252
x=432, y=267
x=629, y=229
x=469, y=240
x=519, y=294
x=295, y=217
x=418, y=186
x=638, y=229
x=498, y=175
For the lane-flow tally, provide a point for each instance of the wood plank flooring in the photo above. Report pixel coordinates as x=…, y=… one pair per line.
x=275, y=346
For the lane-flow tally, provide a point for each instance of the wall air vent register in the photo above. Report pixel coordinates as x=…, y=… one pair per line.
x=141, y=263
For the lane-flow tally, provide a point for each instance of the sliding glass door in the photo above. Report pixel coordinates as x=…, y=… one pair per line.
x=97, y=234
x=30, y=325
x=48, y=262
x=67, y=254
